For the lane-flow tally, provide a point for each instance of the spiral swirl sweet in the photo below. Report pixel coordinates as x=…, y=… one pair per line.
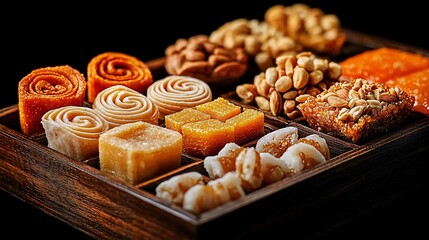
x=47, y=88
x=174, y=93
x=115, y=68
x=120, y=104
x=74, y=131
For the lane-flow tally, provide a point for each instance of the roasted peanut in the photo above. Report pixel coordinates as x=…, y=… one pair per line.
x=320, y=64
x=271, y=76
x=251, y=45
x=290, y=66
x=276, y=103
x=283, y=84
x=289, y=106
x=247, y=92
x=305, y=62
x=263, y=60
x=300, y=78
x=334, y=70
x=294, y=114
x=263, y=103
x=315, y=77
x=290, y=94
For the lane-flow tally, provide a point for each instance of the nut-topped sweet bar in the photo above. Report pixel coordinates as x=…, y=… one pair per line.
x=276, y=148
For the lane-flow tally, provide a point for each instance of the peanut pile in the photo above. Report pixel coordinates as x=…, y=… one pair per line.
x=259, y=40
x=295, y=77
x=310, y=27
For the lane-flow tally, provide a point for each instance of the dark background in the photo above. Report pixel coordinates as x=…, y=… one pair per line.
x=39, y=35
x=35, y=37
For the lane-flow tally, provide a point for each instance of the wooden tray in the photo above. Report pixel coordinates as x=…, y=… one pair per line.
x=306, y=204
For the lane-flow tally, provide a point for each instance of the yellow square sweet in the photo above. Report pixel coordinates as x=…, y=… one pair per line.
x=175, y=120
x=220, y=109
x=248, y=125
x=138, y=151
x=206, y=137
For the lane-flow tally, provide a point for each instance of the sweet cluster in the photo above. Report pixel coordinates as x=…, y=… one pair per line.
x=140, y=128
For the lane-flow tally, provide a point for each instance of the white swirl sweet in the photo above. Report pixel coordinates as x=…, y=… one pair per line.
x=119, y=104
x=74, y=131
x=174, y=93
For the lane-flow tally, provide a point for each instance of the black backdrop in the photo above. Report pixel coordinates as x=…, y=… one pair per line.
x=36, y=35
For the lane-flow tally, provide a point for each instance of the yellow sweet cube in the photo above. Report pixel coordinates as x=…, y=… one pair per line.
x=206, y=137
x=175, y=120
x=139, y=151
x=248, y=125
x=220, y=109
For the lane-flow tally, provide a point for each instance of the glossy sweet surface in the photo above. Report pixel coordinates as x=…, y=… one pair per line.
x=47, y=88
x=114, y=68
x=382, y=64
x=138, y=151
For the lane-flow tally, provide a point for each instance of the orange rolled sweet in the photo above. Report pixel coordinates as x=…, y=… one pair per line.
x=47, y=88
x=114, y=68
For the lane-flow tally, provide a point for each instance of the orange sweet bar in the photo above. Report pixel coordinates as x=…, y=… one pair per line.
x=220, y=109
x=114, y=68
x=416, y=84
x=248, y=125
x=45, y=89
x=382, y=64
x=176, y=120
x=206, y=137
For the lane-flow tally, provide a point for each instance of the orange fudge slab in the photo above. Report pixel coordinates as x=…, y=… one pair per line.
x=248, y=125
x=417, y=85
x=139, y=151
x=45, y=89
x=220, y=109
x=206, y=137
x=382, y=64
x=175, y=121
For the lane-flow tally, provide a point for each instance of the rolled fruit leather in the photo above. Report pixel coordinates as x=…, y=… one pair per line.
x=48, y=88
x=114, y=68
